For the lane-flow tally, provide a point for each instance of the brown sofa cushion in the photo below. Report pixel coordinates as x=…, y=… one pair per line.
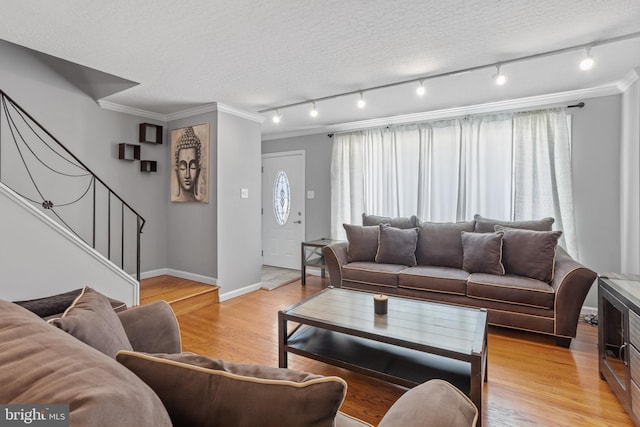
x=487, y=225
x=530, y=253
x=42, y=364
x=397, y=246
x=440, y=243
x=199, y=391
x=363, y=242
x=372, y=273
x=55, y=305
x=399, y=222
x=436, y=279
x=91, y=319
x=482, y=252
x=517, y=290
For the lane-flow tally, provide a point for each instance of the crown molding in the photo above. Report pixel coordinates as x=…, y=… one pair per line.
x=203, y=109
x=628, y=80
x=489, y=107
x=131, y=110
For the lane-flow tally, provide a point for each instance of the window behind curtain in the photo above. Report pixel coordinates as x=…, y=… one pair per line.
x=504, y=166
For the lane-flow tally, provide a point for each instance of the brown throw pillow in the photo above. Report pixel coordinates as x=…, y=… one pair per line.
x=363, y=242
x=482, y=252
x=199, y=391
x=397, y=246
x=399, y=222
x=91, y=319
x=440, y=243
x=487, y=225
x=529, y=253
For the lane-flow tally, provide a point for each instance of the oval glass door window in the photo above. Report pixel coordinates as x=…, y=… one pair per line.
x=281, y=197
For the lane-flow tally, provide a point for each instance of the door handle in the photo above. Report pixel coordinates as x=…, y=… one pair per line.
x=297, y=222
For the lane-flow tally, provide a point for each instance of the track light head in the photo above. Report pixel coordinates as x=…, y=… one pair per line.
x=276, y=117
x=361, y=101
x=313, y=112
x=421, y=90
x=587, y=63
x=499, y=77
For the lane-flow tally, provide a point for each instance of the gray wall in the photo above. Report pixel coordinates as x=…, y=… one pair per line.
x=192, y=230
x=317, y=178
x=92, y=134
x=239, y=219
x=596, y=182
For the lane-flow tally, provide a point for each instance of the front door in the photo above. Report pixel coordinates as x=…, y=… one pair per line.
x=283, y=216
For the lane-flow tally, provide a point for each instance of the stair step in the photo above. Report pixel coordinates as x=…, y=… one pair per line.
x=183, y=295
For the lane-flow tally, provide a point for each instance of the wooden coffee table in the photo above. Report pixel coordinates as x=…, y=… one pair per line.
x=414, y=342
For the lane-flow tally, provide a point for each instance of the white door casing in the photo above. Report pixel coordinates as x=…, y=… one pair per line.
x=282, y=234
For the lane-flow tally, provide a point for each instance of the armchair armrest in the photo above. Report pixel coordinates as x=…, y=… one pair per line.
x=571, y=283
x=152, y=328
x=335, y=256
x=434, y=403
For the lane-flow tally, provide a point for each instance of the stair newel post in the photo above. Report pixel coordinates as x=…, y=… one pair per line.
x=93, y=243
x=122, y=236
x=139, y=231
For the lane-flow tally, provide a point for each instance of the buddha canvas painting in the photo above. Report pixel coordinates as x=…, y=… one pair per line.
x=189, y=164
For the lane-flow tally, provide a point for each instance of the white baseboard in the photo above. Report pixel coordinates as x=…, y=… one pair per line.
x=237, y=292
x=181, y=274
x=588, y=311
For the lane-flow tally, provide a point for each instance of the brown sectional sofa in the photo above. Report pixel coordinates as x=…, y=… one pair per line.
x=151, y=383
x=472, y=264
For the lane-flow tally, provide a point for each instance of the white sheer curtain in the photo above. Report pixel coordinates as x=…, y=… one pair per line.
x=505, y=166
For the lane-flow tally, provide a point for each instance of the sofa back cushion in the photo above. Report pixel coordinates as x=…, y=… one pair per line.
x=440, y=243
x=399, y=222
x=397, y=245
x=42, y=364
x=363, y=242
x=201, y=391
x=530, y=253
x=487, y=225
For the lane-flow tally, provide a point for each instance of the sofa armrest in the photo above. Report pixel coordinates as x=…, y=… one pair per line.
x=152, y=328
x=434, y=403
x=335, y=256
x=571, y=283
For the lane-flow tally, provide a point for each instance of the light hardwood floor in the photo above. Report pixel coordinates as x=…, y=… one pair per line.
x=532, y=382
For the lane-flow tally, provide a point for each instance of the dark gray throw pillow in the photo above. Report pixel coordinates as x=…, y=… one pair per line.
x=482, y=252
x=487, y=225
x=399, y=222
x=363, y=242
x=529, y=253
x=397, y=246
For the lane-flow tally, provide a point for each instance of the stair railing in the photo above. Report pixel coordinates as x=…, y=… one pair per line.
x=38, y=167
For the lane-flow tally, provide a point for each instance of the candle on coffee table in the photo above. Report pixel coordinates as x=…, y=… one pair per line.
x=380, y=304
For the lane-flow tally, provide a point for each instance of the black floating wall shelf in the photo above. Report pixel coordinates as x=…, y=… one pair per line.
x=148, y=166
x=128, y=151
x=150, y=133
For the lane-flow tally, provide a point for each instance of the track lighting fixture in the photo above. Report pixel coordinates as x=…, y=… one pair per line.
x=314, y=111
x=499, y=77
x=421, y=90
x=587, y=63
x=276, y=117
x=361, y=102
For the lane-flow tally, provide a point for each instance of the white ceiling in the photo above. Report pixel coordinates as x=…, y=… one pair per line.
x=255, y=55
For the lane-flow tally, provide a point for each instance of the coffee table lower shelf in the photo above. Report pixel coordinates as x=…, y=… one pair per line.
x=399, y=365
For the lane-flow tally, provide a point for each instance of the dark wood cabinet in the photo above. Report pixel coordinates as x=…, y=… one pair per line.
x=619, y=339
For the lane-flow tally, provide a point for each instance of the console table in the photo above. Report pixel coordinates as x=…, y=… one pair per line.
x=311, y=256
x=619, y=339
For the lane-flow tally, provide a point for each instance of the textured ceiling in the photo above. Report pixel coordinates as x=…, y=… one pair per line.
x=255, y=55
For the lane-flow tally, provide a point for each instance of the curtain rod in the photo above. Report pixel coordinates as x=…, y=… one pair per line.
x=580, y=104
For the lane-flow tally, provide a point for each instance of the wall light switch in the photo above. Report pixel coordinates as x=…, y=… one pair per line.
x=311, y=194
x=244, y=193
